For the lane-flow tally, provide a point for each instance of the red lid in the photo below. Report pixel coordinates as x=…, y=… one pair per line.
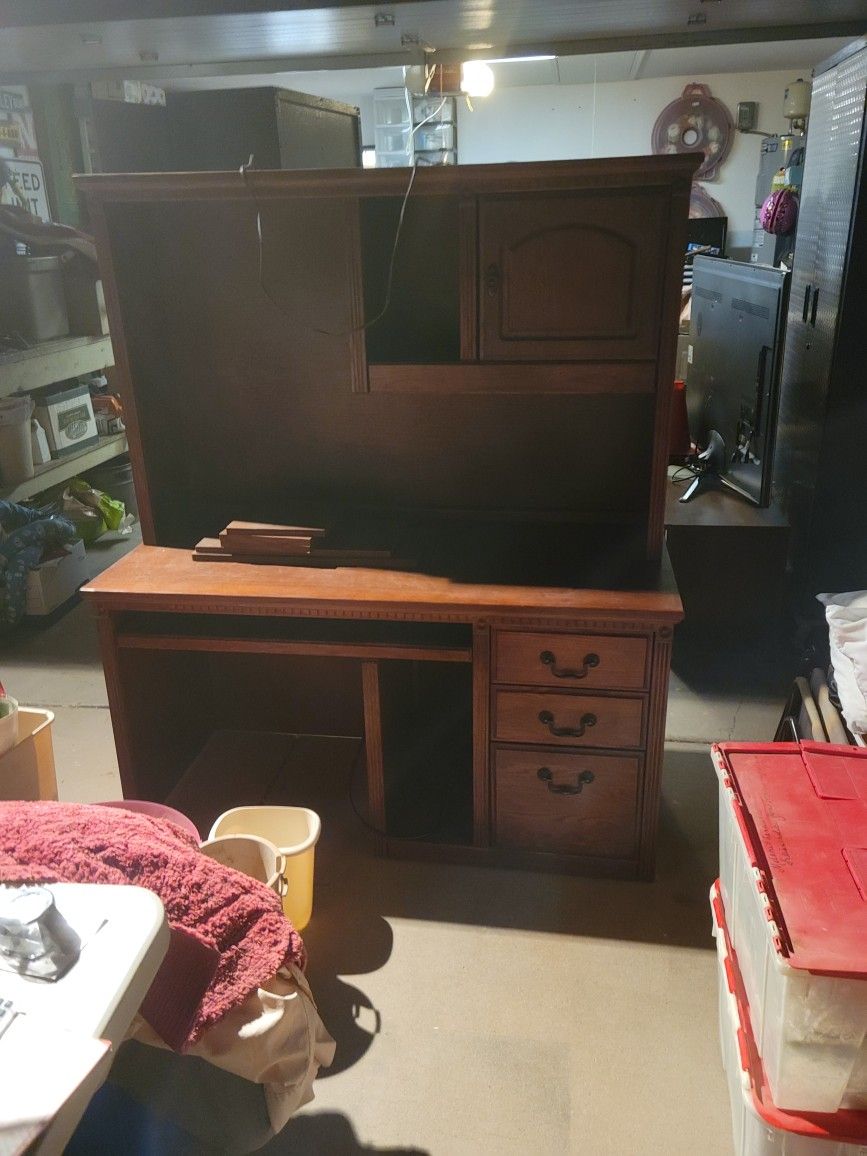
x=804, y=822
x=845, y=1126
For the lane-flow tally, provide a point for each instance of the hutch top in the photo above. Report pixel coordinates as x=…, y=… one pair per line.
x=486, y=344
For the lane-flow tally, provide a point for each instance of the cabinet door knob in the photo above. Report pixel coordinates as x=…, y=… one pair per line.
x=544, y=775
x=548, y=659
x=492, y=280
x=547, y=719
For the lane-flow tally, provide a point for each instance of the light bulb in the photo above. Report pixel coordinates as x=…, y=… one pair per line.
x=477, y=78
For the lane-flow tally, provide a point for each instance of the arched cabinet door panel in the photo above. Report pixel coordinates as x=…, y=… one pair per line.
x=571, y=278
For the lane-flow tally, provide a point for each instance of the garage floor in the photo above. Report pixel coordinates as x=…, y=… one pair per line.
x=478, y=1011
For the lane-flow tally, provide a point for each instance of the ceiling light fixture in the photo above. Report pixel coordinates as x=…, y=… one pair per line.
x=477, y=78
x=515, y=59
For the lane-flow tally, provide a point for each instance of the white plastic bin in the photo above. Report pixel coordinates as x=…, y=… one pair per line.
x=27, y=770
x=759, y=1127
x=251, y=855
x=295, y=833
x=16, y=450
x=8, y=724
x=809, y=1027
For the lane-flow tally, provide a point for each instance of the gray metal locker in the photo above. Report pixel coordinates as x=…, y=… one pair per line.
x=820, y=472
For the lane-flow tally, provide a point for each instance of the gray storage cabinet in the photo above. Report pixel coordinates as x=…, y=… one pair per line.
x=220, y=130
x=820, y=473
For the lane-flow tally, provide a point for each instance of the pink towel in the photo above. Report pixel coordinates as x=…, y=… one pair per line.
x=238, y=916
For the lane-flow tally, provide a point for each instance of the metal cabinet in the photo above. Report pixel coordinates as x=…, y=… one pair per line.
x=820, y=472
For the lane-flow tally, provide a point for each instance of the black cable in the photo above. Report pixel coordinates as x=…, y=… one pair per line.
x=683, y=474
x=391, y=265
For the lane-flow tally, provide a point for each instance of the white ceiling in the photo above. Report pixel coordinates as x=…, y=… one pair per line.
x=796, y=56
x=349, y=35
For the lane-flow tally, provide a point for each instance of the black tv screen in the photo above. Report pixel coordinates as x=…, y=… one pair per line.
x=736, y=333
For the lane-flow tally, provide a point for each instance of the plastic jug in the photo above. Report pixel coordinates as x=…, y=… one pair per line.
x=16, y=451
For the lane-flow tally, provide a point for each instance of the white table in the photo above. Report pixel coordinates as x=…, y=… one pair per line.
x=51, y=1052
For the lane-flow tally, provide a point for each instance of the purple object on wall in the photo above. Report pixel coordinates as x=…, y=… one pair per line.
x=779, y=213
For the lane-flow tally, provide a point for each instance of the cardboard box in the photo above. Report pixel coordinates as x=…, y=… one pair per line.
x=152, y=94
x=65, y=412
x=55, y=581
x=128, y=90
x=27, y=771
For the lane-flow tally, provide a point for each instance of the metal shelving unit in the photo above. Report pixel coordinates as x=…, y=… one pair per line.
x=60, y=470
x=24, y=370
x=50, y=361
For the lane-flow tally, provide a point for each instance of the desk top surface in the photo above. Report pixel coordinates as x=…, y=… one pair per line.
x=162, y=579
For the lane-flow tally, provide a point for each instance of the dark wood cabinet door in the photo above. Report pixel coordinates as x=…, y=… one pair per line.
x=572, y=278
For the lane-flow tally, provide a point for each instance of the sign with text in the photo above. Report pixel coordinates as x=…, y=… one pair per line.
x=28, y=187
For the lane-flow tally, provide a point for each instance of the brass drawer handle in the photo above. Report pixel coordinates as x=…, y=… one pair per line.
x=548, y=659
x=547, y=719
x=584, y=777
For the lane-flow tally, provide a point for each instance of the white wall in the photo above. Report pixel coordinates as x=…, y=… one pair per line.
x=557, y=122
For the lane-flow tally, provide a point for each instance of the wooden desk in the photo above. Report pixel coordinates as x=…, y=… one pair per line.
x=535, y=714
x=487, y=350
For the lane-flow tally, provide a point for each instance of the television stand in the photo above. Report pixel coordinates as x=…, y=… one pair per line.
x=707, y=480
x=710, y=475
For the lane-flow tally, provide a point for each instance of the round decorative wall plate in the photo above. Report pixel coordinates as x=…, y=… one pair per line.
x=695, y=123
x=702, y=204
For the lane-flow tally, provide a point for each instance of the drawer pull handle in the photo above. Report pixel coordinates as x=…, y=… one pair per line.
x=590, y=660
x=547, y=719
x=584, y=777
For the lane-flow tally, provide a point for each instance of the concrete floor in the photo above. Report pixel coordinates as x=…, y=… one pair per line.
x=478, y=1011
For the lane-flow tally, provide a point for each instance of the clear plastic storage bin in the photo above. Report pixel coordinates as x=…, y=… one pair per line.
x=392, y=140
x=790, y=826
x=759, y=1127
x=435, y=136
x=391, y=107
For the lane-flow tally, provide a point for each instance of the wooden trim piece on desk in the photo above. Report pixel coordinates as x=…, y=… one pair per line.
x=373, y=749
x=355, y=285
x=468, y=277
x=117, y=707
x=654, y=753
x=122, y=375
x=461, y=853
x=441, y=180
x=372, y=650
x=481, y=736
x=601, y=377
x=678, y=210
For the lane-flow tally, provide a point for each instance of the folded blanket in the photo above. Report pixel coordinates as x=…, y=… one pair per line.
x=238, y=916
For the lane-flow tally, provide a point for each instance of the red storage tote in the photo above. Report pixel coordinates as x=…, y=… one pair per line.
x=759, y=1127
x=793, y=874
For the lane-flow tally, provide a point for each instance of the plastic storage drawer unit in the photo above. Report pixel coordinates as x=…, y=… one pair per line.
x=759, y=1127
x=793, y=874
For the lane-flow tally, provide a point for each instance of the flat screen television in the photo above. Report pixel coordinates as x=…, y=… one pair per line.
x=736, y=333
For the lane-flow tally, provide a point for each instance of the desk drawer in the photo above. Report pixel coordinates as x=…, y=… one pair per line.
x=568, y=719
x=575, y=803
x=579, y=660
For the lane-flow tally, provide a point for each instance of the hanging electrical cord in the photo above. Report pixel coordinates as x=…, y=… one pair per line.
x=389, y=284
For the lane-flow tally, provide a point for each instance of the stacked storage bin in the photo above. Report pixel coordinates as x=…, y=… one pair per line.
x=790, y=919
